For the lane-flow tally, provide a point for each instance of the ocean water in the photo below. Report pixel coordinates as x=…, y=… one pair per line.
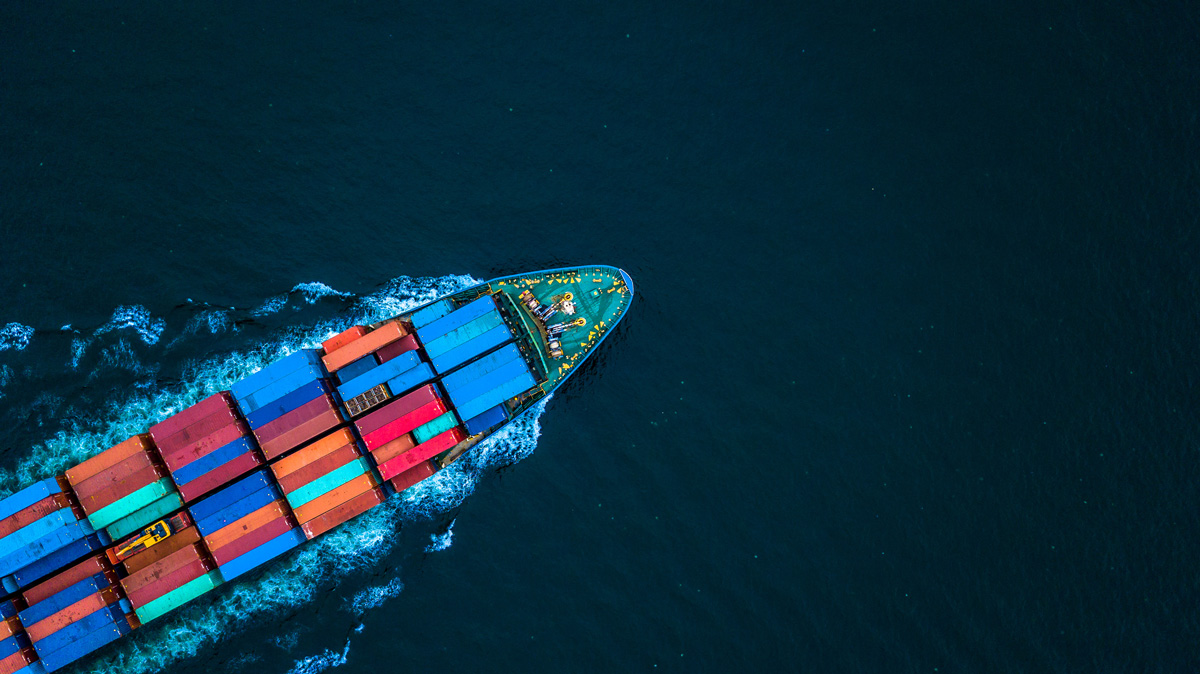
x=910, y=381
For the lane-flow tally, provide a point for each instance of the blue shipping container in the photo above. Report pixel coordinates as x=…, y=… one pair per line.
x=7, y=609
x=510, y=370
x=464, y=352
x=63, y=598
x=456, y=318
x=430, y=313
x=293, y=400
x=280, y=387
x=276, y=370
x=45, y=546
x=262, y=554
x=13, y=644
x=478, y=368
x=28, y=575
x=230, y=495
x=414, y=377
x=496, y=396
x=35, y=530
x=486, y=420
x=389, y=370
x=86, y=644
x=78, y=629
x=463, y=334
x=209, y=462
x=237, y=510
x=28, y=496
x=357, y=368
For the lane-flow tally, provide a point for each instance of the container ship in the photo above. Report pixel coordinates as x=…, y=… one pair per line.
x=290, y=452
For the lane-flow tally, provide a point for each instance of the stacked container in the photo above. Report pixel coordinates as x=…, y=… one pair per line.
x=406, y=433
x=206, y=445
x=463, y=334
x=288, y=402
x=75, y=613
x=175, y=578
x=124, y=488
x=377, y=364
x=480, y=389
x=41, y=531
x=16, y=653
x=328, y=482
x=246, y=524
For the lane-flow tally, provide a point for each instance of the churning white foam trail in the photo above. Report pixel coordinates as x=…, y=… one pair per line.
x=137, y=318
x=15, y=336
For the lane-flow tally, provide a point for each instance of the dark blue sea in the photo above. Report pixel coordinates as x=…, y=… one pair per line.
x=910, y=383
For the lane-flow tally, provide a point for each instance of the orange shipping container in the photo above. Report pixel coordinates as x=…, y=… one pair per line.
x=238, y=528
x=343, y=338
x=162, y=567
x=77, y=611
x=113, y=475
x=85, y=569
x=301, y=434
x=330, y=500
x=392, y=449
x=413, y=475
x=379, y=337
x=331, y=461
x=156, y=552
x=327, y=444
x=342, y=513
x=10, y=626
x=109, y=458
x=17, y=661
x=112, y=494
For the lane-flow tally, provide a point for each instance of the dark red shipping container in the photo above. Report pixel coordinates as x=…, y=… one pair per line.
x=396, y=409
x=223, y=474
x=422, y=452
x=394, y=349
x=198, y=429
x=178, y=559
x=413, y=475
x=252, y=539
x=110, y=495
x=114, y=475
x=205, y=446
x=343, y=513
x=169, y=581
x=182, y=419
x=33, y=513
x=85, y=569
x=394, y=448
x=301, y=434
x=322, y=466
x=161, y=550
x=306, y=412
x=404, y=424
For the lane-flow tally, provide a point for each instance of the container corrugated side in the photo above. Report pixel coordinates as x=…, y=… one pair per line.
x=342, y=513
x=468, y=350
x=178, y=597
x=368, y=343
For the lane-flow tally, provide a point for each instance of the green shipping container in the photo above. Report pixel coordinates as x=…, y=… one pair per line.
x=461, y=335
x=131, y=504
x=179, y=596
x=327, y=483
x=434, y=427
x=155, y=511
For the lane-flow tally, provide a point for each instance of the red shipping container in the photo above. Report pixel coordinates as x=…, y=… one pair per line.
x=393, y=449
x=162, y=549
x=184, y=418
x=162, y=567
x=422, y=452
x=85, y=569
x=69, y=614
x=114, y=493
x=301, y=434
x=368, y=343
x=320, y=467
x=306, y=412
x=267, y=532
x=394, y=349
x=204, y=446
x=343, y=338
x=388, y=432
x=16, y=662
x=113, y=475
x=197, y=430
x=238, y=528
x=10, y=626
x=169, y=581
x=413, y=475
x=221, y=475
x=108, y=458
x=33, y=513
x=396, y=409
x=303, y=457
x=343, y=513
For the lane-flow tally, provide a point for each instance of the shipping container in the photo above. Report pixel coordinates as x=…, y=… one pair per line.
x=422, y=452
x=303, y=414
x=145, y=516
x=100, y=500
x=175, y=542
x=368, y=343
x=65, y=597
x=396, y=409
x=262, y=554
x=488, y=381
x=316, y=450
x=478, y=368
x=33, y=513
x=302, y=434
x=19, y=663
x=290, y=401
x=135, y=501
x=178, y=597
x=331, y=499
x=409, y=379
x=404, y=424
x=343, y=338
x=28, y=496
x=10, y=626
x=54, y=561
x=72, y=632
x=197, y=430
x=397, y=348
x=84, y=645
x=394, y=448
x=281, y=369
x=74, y=612
x=179, y=421
x=456, y=318
x=378, y=375
x=361, y=366
x=13, y=644
x=280, y=387
x=221, y=475
x=427, y=430
x=328, y=482
x=485, y=421
x=238, y=528
x=342, y=513
x=230, y=495
x=213, y=460
x=185, y=455
x=44, y=546
x=322, y=466
x=463, y=334
x=170, y=580
x=237, y=510
x=430, y=313
x=496, y=396
x=149, y=574
x=85, y=569
x=108, y=458
x=253, y=539
x=114, y=475
x=34, y=530
x=468, y=350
